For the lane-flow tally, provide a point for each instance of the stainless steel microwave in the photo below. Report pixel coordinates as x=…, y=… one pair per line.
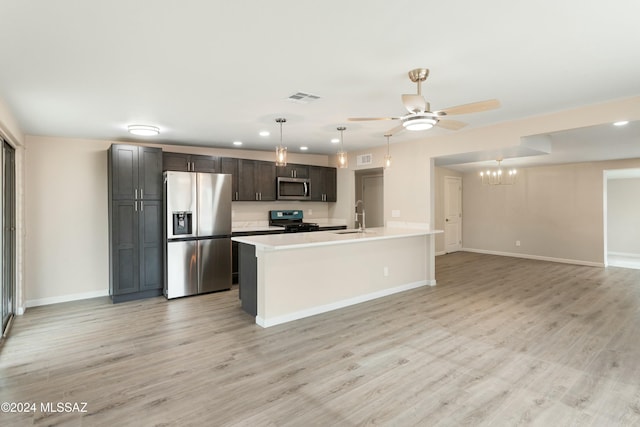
x=293, y=188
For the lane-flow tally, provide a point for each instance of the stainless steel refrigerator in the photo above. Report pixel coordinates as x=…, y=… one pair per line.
x=197, y=233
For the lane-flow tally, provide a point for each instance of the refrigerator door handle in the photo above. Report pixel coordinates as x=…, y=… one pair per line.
x=141, y=193
x=135, y=193
x=135, y=206
x=141, y=206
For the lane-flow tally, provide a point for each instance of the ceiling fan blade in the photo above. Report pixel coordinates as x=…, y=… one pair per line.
x=365, y=119
x=474, y=107
x=396, y=130
x=415, y=103
x=451, y=124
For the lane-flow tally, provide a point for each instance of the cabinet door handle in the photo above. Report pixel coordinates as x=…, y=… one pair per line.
x=135, y=206
x=260, y=196
x=135, y=195
x=142, y=193
x=141, y=206
x=256, y=196
x=237, y=195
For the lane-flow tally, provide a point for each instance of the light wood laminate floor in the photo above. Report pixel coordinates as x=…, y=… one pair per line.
x=499, y=341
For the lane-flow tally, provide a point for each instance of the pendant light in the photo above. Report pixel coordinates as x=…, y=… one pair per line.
x=387, y=158
x=281, y=152
x=342, y=156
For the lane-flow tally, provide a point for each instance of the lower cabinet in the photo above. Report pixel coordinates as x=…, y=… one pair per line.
x=234, y=249
x=136, y=245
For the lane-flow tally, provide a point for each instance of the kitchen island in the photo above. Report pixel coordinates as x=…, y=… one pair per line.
x=284, y=277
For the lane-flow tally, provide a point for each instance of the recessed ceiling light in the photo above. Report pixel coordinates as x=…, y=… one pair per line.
x=264, y=133
x=143, y=130
x=237, y=142
x=621, y=123
x=335, y=140
x=304, y=148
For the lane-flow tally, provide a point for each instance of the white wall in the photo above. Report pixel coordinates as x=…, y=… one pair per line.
x=66, y=219
x=556, y=212
x=623, y=216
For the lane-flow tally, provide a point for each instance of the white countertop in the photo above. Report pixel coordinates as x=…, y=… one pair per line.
x=274, y=242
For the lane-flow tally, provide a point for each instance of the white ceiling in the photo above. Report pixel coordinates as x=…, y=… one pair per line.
x=209, y=72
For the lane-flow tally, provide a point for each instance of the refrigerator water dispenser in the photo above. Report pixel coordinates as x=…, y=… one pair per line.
x=182, y=223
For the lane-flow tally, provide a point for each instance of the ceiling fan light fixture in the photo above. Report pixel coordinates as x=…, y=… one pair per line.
x=419, y=123
x=143, y=130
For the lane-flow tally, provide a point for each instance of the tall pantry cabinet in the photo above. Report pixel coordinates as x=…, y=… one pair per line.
x=135, y=222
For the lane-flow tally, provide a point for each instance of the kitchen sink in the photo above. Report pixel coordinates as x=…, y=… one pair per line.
x=354, y=232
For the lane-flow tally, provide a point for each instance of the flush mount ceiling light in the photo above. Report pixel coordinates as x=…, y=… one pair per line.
x=621, y=123
x=498, y=176
x=335, y=140
x=143, y=130
x=304, y=148
x=281, y=152
x=419, y=123
x=238, y=143
x=342, y=156
x=264, y=133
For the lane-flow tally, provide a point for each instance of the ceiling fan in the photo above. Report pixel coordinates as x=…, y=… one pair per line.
x=420, y=116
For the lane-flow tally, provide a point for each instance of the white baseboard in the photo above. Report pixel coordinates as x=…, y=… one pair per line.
x=441, y=253
x=66, y=298
x=265, y=323
x=536, y=257
x=624, y=254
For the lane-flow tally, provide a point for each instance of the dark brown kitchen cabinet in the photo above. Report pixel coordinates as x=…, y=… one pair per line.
x=323, y=184
x=293, y=171
x=257, y=180
x=135, y=172
x=190, y=162
x=229, y=165
x=136, y=250
x=135, y=222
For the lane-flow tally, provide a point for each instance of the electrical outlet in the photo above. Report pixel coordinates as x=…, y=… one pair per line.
x=517, y=242
x=385, y=271
x=395, y=213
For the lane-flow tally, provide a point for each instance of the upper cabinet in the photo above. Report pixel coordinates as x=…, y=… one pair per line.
x=293, y=171
x=190, y=163
x=323, y=182
x=257, y=180
x=229, y=165
x=136, y=172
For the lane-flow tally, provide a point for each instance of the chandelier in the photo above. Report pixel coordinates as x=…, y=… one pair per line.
x=498, y=176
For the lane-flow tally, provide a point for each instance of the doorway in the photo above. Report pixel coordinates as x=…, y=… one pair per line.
x=621, y=212
x=7, y=289
x=452, y=214
x=370, y=189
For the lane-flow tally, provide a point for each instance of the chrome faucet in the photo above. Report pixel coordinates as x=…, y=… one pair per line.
x=361, y=224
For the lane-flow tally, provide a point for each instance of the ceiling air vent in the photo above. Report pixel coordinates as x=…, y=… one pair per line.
x=302, y=98
x=364, y=159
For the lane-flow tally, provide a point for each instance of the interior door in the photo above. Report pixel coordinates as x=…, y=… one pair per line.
x=7, y=289
x=452, y=213
x=373, y=200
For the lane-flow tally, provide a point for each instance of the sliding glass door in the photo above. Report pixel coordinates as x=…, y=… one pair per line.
x=7, y=290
